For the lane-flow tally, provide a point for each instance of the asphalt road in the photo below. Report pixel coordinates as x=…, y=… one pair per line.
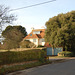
x=64, y=68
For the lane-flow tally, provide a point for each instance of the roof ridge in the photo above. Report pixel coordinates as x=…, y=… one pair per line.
x=38, y=29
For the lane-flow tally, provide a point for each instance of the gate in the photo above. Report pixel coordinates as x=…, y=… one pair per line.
x=55, y=52
x=49, y=51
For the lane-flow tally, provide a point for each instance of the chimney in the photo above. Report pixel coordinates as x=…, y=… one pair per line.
x=32, y=28
x=43, y=27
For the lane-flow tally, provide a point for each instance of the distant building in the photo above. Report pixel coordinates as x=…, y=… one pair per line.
x=36, y=36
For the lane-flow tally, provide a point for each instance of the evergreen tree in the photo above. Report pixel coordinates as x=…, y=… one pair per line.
x=61, y=31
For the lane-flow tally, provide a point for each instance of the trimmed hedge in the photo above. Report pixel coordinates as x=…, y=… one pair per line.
x=40, y=46
x=21, y=56
x=65, y=53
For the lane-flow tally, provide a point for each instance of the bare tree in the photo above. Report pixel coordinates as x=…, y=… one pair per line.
x=5, y=18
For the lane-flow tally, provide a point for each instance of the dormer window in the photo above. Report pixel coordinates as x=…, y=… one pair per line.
x=36, y=32
x=30, y=34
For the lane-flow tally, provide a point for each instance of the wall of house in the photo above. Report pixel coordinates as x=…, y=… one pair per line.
x=41, y=42
x=36, y=43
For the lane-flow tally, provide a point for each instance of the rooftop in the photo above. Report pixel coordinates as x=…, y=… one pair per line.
x=36, y=35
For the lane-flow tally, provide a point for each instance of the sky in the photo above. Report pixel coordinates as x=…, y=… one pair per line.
x=37, y=16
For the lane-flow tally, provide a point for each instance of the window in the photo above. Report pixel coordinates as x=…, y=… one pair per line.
x=36, y=32
x=43, y=40
x=30, y=34
x=34, y=40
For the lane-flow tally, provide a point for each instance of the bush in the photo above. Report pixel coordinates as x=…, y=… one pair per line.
x=40, y=46
x=21, y=56
x=27, y=44
x=65, y=53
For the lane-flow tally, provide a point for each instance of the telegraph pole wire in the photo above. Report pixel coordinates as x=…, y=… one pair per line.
x=32, y=5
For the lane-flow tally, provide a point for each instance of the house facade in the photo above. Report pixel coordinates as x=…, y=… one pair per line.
x=36, y=36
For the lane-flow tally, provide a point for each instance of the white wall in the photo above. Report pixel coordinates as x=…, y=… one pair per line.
x=36, y=43
x=41, y=43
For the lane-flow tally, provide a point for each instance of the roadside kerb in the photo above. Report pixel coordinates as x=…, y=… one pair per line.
x=59, y=58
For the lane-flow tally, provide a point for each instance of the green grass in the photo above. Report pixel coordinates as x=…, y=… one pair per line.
x=16, y=68
x=6, y=70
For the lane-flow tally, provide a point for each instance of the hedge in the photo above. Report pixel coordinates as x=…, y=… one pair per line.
x=65, y=53
x=21, y=56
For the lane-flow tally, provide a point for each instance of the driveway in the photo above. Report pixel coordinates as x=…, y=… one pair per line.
x=64, y=68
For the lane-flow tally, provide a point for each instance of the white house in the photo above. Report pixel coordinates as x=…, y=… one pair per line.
x=36, y=36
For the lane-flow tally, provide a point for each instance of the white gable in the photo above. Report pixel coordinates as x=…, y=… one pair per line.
x=36, y=32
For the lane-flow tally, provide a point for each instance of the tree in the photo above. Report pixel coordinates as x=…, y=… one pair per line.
x=14, y=30
x=27, y=44
x=5, y=17
x=61, y=31
x=13, y=36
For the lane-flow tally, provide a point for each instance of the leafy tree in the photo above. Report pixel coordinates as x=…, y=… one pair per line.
x=14, y=29
x=27, y=44
x=61, y=31
x=13, y=36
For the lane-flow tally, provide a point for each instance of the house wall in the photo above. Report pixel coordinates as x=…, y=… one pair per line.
x=36, y=43
x=41, y=42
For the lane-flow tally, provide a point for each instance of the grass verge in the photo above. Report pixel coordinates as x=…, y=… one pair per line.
x=6, y=70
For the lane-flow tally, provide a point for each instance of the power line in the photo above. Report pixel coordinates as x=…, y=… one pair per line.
x=32, y=5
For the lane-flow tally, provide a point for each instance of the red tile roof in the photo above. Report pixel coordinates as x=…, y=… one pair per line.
x=47, y=44
x=31, y=35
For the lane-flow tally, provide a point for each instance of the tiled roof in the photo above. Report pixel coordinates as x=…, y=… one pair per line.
x=31, y=35
x=47, y=44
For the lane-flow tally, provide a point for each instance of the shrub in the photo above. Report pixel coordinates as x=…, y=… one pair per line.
x=65, y=53
x=21, y=56
x=40, y=46
x=27, y=44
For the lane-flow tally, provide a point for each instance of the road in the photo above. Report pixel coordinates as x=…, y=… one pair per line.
x=64, y=68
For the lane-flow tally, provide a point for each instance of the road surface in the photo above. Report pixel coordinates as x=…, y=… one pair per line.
x=64, y=68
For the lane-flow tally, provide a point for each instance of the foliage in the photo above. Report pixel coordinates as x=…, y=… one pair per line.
x=21, y=56
x=11, y=31
x=13, y=36
x=27, y=44
x=6, y=70
x=61, y=31
x=66, y=53
x=40, y=46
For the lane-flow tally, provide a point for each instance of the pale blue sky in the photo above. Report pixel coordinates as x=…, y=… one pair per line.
x=37, y=16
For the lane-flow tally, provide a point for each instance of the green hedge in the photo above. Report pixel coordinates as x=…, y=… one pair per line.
x=21, y=56
x=66, y=53
x=40, y=46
